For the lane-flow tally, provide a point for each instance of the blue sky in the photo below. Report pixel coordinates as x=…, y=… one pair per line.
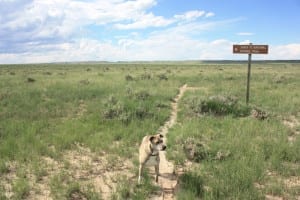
x=34, y=31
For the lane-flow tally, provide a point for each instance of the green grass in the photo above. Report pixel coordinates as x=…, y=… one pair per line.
x=20, y=188
x=253, y=147
x=135, y=192
x=46, y=110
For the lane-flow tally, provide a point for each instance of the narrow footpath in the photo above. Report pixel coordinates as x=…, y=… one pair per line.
x=168, y=179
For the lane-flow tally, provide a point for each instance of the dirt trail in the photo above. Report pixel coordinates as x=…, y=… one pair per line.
x=168, y=178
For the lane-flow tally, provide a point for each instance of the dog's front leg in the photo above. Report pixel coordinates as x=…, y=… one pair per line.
x=156, y=172
x=140, y=173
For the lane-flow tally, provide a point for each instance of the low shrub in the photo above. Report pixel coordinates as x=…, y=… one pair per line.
x=162, y=77
x=195, y=150
x=142, y=112
x=84, y=82
x=259, y=114
x=220, y=106
x=47, y=73
x=129, y=78
x=280, y=79
x=146, y=76
x=142, y=95
x=114, y=109
x=30, y=80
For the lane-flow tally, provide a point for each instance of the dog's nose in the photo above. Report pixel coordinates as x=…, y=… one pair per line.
x=164, y=147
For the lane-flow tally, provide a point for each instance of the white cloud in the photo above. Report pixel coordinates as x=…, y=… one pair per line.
x=61, y=18
x=209, y=14
x=245, y=34
x=172, y=43
x=27, y=22
x=81, y=50
x=190, y=15
x=155, y=47
x=245, y=42
x=288, y=51
x=145, y=21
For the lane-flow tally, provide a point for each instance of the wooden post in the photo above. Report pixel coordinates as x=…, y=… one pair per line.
x=248, y=78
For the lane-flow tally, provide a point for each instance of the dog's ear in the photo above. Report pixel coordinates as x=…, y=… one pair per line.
x=160, y=135
x=152, y=138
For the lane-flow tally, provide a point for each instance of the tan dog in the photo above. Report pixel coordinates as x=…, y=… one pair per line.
x=149, y=153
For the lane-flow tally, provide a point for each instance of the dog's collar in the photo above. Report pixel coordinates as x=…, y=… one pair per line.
x=152, y=153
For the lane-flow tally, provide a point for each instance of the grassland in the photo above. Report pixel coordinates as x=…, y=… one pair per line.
x=66, y=128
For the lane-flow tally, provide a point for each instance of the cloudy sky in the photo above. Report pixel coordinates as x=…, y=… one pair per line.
x=34, y=31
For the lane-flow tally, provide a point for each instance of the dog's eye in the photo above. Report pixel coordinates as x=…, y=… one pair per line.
x=159, y=142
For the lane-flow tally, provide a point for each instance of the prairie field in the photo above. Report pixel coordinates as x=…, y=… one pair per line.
x=72, y=131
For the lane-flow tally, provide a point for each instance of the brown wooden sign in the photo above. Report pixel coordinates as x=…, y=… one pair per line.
x=251, y=49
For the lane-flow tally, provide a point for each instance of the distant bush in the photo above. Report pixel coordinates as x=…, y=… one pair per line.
x=137, y=95
x=47, y=73
x=84, y=82
x=114, y=109
x=142, y=112
x=129, y=78
x=129, y=92
x=161, y=105
x=220, y=106
x=146, y=76
x=280, y=79
x=30, y=80
x=162, y=77
x=142, y=95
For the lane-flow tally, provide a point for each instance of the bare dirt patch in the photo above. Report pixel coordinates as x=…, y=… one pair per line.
x=291, y=184
x=81, y=108
x=8, y=178
x=100, y=171
x=97, y=171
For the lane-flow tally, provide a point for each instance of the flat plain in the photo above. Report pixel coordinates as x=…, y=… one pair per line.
x=71, y=131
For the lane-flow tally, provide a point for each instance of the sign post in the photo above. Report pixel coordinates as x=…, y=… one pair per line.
x=248, y=78
x=250, y=49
